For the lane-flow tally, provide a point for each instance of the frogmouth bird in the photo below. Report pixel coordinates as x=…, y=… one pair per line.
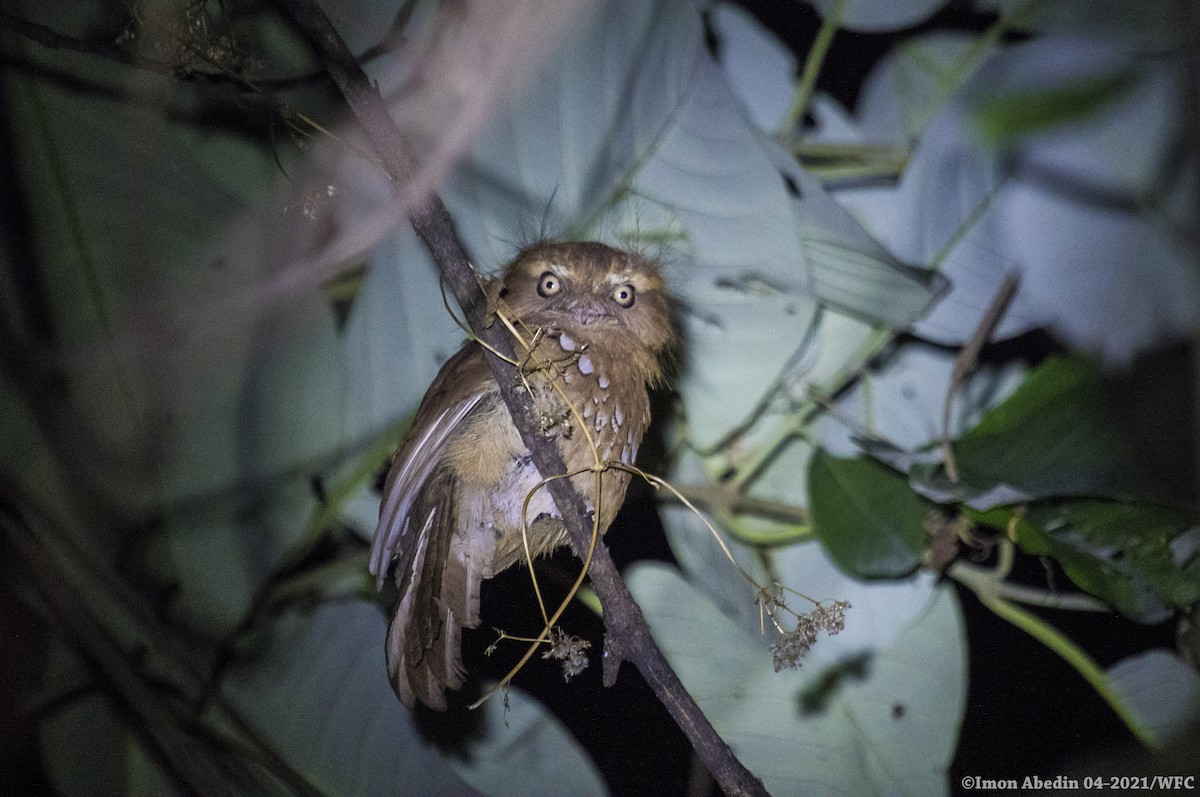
x=599, y=322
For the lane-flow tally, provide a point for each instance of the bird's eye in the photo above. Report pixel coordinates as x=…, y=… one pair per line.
x=624, y=295
x=548, y=284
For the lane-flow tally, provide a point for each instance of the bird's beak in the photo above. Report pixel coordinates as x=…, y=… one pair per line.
x=588, y=311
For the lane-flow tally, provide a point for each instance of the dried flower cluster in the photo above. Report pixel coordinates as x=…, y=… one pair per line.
x=566, y=648
x=570, y=650
x=792, y=646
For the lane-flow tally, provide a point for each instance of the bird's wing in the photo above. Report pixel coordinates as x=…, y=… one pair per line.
x=417, y=522
x=464, y=381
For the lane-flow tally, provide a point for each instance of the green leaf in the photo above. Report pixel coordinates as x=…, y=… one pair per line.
x=872, y=719
x=1002, y=119
x=1143, y=559
x=1057, y=435
x=866, y=516
x=900, y=402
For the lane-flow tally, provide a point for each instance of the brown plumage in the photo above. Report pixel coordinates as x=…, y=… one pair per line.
x=451, y=510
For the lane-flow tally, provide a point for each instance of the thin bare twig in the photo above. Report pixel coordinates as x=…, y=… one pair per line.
x=985, y=581
x=628, y=634
x=966, y=360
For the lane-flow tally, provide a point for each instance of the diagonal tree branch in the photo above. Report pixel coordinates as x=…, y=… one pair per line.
x=628, y=635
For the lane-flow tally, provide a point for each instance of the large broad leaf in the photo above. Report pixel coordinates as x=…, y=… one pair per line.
x=902, y=96
x=761, y=260
x=1064, y=431
x=241, y=466
x=1161, y=689
x=1080, y=256
x=1068, y=211
x=396, y=338
x=805, y=567
x=1090, y=136
x=877, y=719
x=1004, y=119
x=558, y=155
x=1150, y=25
x=878, y=15
x=849, y=270
x=890, y=605
x=866, y=516
x=909, y=86
x=123, y=200
x=760, y=69
x=524, y=750
x=894, y=411
x=1143, y=559
x=320, y=695
x=702, y=557
x=743, y=292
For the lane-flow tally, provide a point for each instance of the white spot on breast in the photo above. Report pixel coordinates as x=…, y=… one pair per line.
x=567, y=342
x=607, y=454
x=618, y=417
x=601, y=421
x=604, y=383
x=587, y=410
x=568, y=377
x=627, y=455
x=585, y=365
